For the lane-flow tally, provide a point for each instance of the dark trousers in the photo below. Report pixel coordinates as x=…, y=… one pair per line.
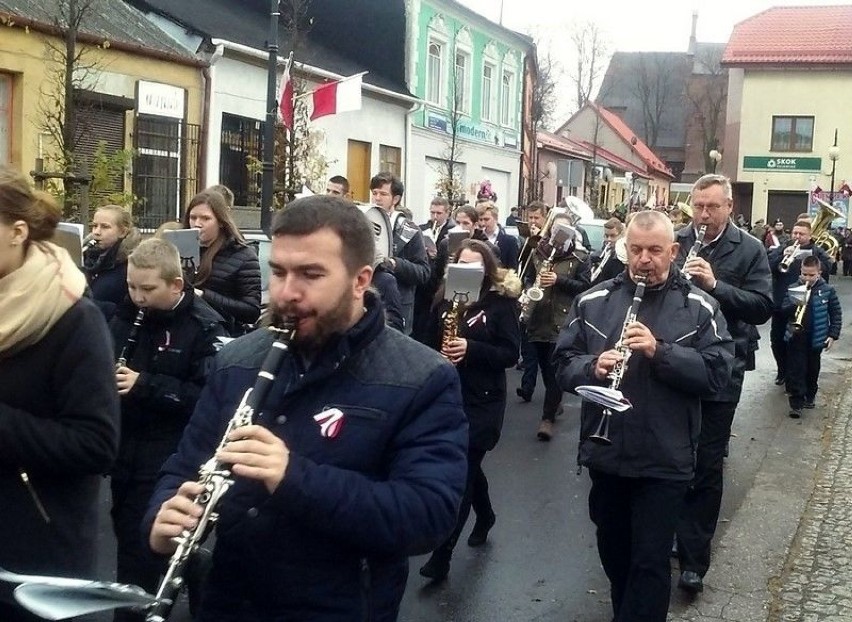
x=847, y=267
x=475, y=495
x=703, y=499
x=803, y=364
x=552, y=391
x=635, y=520
x=135, y=564
x=530, y=364
x=777, y=343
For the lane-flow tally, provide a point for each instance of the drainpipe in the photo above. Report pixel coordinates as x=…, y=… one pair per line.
x=207, y=75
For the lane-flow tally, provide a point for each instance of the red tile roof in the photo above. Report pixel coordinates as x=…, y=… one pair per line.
x=650, y=159
x=793, y=35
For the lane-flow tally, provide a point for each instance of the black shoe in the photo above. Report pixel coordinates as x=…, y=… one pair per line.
x=691, y=582
x=809, y=404
x=779, y=380
x=437, y=568
x=795, y=413
x=479, y=534
x=524, y=395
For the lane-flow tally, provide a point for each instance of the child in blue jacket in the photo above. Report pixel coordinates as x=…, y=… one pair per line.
x=820, y=327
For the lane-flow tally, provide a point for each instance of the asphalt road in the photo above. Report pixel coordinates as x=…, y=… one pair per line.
x=541, y=563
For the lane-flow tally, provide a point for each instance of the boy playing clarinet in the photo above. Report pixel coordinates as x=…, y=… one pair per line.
x=167, y=357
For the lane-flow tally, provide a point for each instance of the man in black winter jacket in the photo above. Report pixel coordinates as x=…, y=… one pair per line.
x=167, y=357
x=410, y=263
x=679, y=349
x=731, y=266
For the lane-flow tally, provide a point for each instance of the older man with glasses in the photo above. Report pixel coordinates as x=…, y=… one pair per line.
x=732, y=267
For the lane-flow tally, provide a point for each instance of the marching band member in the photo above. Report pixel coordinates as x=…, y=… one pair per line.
x=608, y=264
x=228, y=278
x=357, y=459
x=815, y=326
x=679, y=348
x=567, y=277
x=166, y=353
x=112, y=239
x=58, y=403
x=486, y=343
x=730, y=266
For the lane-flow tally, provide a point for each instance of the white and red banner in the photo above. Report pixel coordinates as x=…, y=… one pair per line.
x=336, y=97
x=285, y=102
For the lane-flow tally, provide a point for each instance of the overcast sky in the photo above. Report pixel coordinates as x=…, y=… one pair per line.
x=630, y=25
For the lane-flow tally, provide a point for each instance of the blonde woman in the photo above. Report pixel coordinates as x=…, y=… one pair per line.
x=112, y=239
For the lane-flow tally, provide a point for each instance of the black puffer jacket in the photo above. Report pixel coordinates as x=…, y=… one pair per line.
x=173, y=356
x=233, y=287
x=657, y=437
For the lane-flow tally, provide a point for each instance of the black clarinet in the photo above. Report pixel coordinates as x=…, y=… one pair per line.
x=215, y=476
x=132, y=338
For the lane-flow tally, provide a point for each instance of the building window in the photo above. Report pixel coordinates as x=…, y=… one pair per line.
x=506, y=100
x=241, y=143
x=792, y=133
x=391, y=159
x=462, y=82
x=5, y=119
x=433, y=73
x=487, y=91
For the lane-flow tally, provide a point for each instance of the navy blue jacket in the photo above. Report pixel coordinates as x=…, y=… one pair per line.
x=823, y=317
x=331, y=543
x=782, y=281
x=106, y=274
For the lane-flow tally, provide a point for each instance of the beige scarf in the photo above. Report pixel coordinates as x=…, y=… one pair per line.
x=36, y=295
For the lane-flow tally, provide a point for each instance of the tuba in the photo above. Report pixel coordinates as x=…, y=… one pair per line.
x=821, y=228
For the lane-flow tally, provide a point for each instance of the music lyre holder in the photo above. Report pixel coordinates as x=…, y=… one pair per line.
x=612, y=400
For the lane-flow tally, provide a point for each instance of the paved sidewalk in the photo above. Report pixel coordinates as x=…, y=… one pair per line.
x=786, y=556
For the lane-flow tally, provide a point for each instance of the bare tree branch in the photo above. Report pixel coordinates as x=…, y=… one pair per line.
x=707, y=94
x=592, y=50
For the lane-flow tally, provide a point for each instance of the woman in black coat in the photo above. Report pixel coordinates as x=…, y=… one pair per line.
x=111, y=241
x=487, y=343
x=228, y=278
x=58, y=402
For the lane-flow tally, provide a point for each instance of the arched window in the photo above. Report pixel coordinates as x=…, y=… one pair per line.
x=506, y=100
x=434, y=71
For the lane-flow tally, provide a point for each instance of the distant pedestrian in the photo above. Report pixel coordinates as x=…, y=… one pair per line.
x=818, y=330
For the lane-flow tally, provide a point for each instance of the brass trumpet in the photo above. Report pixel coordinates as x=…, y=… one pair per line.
x=798, y=324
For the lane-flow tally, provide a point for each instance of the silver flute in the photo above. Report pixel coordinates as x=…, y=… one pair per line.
x=696, y=248
x=215, y=476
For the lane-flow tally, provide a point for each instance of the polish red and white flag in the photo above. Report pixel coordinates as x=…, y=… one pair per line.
x=285, y=102
x=336, y=97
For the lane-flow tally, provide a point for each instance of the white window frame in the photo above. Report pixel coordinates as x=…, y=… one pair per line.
x=466, y=78
x=507, y=108
x=435, y=98
x=487, y=103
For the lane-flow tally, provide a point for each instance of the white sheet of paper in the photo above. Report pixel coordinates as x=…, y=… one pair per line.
x=604, y=396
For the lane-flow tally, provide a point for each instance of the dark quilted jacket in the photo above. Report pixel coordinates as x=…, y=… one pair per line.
x=233, y=287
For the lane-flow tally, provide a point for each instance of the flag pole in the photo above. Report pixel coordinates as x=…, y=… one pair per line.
x=268, y=168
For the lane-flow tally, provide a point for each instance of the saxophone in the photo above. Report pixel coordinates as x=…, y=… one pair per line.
x=534, y=294
x=216, y=478
x=450, y=320
x=696, y=248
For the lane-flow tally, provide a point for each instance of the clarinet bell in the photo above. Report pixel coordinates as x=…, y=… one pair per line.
x=601, y=435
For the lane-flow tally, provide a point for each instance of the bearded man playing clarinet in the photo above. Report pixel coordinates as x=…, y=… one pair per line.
x=732, y=267
x=356, y=460
x=679, y=349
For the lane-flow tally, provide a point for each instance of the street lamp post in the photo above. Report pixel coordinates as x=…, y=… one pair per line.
x=834, y=156
x=716, y=156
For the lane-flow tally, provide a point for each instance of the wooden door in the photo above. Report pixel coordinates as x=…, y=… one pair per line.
x=358, y=170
